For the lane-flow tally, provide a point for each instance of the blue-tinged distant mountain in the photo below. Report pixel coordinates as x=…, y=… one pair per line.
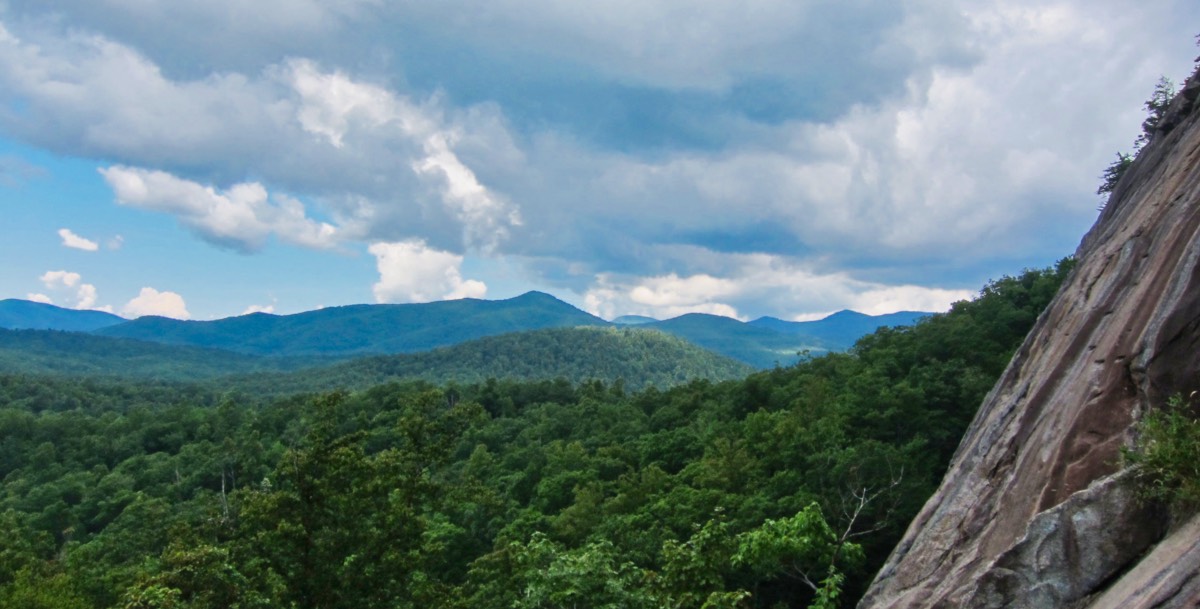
x=761, y=347
x=633, y=320
x=16, y=314
x=840, y=330
x=363, y=329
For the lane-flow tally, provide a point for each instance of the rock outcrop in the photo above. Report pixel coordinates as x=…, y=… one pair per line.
x=1034, y=511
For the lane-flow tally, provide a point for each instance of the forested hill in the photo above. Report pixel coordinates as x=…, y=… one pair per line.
x=638, y=358
x=51, y=352
x=25, y=314
x=786, y=488
x=363, y=329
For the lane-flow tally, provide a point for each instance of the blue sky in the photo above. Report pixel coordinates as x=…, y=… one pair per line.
x=201, y=159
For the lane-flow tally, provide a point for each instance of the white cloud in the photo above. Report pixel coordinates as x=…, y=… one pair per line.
x=42, y=298
x=152, y=302
x=60, y=279
x=410, y=271
x=115, y=243
x=336, y=107
x=890, y=299
x=242, y=217
x=259, y=309
x=71, y=240
x=382, y=163
x=85, y=294
x=763, y=282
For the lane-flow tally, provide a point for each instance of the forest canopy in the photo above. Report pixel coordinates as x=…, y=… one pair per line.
x=787, y=488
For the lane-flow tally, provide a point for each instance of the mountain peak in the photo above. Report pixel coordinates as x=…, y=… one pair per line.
x=29, y=315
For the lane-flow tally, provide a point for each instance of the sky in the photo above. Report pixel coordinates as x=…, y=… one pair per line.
x=206, y=158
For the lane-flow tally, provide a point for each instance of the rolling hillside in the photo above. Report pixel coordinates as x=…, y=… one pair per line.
x=50, y=352
x=638, y=357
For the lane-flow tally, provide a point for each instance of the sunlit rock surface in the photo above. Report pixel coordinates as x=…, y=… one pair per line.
x=1033, y=512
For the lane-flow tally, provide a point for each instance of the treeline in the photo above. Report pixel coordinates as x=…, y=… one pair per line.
x=785, y=489
x=640, y=357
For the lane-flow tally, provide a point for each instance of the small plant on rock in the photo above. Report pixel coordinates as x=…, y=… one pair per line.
x=1167, y=454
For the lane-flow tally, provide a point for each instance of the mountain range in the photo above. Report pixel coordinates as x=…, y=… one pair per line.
x=361, y=330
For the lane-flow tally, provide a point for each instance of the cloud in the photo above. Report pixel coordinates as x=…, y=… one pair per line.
x=766, y=284
x=150, y=301
x=42, y=298
x=115, y=243
x=85, y=294
x=656, y=145
x=382, y=163
x=259, y=309
x=410, y=271
x=335, y=107
x=60, y=279
x=982, y=167
x=241, y=217
x=71, y=240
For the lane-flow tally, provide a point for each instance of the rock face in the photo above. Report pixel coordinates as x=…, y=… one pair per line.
x=1033, y=511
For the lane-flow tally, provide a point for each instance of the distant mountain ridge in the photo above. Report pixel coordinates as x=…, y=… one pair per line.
x=840, y=330
x=16, y=314
x=759, y=347
x=359, y=330
x=363, y=329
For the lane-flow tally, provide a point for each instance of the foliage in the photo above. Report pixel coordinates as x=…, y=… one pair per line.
x=1156, y=109
x=79, y=354
x=1112, y=174
x=639, y=357
x=786, y=488
x=1167, y=454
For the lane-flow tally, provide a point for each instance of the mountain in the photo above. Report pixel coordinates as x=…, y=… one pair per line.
x=362, y=329
x=840, y=330
x=356, y=330
x=81, y=354
x=758, y=346
x=638, y=357
x=18, y=314
x=633, y=320
x=1039, y=508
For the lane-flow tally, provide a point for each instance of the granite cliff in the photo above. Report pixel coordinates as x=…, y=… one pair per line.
x=1035, y=510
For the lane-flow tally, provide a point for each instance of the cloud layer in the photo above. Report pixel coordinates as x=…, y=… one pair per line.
x=774, y=157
